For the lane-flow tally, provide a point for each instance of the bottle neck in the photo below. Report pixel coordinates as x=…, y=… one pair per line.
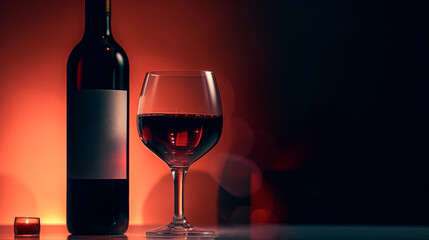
x=97, y=18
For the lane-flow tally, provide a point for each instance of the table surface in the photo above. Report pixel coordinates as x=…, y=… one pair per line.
x=289, y=232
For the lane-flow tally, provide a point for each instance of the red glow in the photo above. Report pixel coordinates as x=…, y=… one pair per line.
x=168, y=35
x=260, y=216
x=264, y=207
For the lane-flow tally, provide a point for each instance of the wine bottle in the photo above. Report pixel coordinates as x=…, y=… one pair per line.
x=97, y=129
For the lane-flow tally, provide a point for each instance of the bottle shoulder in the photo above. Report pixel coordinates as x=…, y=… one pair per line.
x=96, y=48
x=97, y=64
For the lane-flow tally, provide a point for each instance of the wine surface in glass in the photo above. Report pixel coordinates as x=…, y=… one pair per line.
x=179, y=139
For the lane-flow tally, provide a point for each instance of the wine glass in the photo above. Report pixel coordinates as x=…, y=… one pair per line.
x=179, y=119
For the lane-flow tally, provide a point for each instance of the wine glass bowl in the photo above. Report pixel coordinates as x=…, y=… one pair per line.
x=179, y=139
x=179, y=119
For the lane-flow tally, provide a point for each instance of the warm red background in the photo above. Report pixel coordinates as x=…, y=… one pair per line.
x=36, y=38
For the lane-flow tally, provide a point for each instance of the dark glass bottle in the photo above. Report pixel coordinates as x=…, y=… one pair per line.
x=97, y=129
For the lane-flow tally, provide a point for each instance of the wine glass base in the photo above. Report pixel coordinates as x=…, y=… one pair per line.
x=180, y=230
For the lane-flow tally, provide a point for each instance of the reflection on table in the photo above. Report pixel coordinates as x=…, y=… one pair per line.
x=253, y=232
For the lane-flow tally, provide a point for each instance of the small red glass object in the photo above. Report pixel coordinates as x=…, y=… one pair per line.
x=27, y=226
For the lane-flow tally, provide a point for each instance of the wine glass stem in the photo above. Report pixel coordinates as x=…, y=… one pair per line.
x=179, y=174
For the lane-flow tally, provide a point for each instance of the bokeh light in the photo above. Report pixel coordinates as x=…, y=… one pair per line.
x=36, y=40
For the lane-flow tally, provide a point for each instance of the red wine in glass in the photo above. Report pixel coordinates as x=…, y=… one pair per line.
x=179, y=119
x=179, y=139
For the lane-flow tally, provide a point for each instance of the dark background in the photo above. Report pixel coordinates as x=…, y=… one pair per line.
x=349, y=81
